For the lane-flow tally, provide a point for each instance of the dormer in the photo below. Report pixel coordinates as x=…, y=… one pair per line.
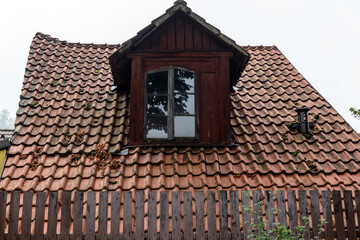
x=179, y=72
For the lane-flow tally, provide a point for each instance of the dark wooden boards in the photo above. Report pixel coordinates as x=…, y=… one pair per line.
x=14, y=214
x=65, y=215
x=52, y=215
x=115, y=213
x=177, y=215
x=78, y=215
x=3, y=197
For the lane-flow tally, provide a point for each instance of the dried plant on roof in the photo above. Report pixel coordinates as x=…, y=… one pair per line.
x=114, y=164
x=35, y=157
x=100, y=155
x=79, y=137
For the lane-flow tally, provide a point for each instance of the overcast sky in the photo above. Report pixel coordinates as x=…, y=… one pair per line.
x=321, y=38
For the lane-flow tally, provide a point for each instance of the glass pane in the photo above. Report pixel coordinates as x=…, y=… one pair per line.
x=157, y=83
x=184, y=104
x=157, y=105
x=184, y=126
x=156, y=127
x=184, y=81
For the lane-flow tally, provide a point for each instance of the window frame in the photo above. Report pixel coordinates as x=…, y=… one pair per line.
x=171, y=106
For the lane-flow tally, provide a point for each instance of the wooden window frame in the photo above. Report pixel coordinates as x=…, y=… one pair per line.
x=171, y=116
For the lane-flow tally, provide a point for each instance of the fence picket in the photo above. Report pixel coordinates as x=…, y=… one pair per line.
x=269, y=208
x=14, y=214
x=350, y=215
x=103, y=211
x=258, y=210
x=115, y=216
x=3, y=198
x=200, y=225
x=246, y=211
x=326, y=202
x=223, y=215
x=152, y=216
x=176, y=216
x=65, y=215
x=164, y=216
x=280, y=200
x=90, y=216
x=357, y=205
x=127, y=226
x=292, y=209
x=234, y=213
x=52, y=216
x=139, y=215
x=315, y=213
x=188, y=215
x=211, y=211
x=304, y=213
x=26, y=216
x=78, y=215
x=339, y=216
x=39, y=215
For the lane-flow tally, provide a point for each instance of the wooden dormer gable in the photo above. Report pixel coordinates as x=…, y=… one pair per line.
x=180, y=33
x=179, y=45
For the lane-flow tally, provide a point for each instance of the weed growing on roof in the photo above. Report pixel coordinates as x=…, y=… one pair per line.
x=75, y=158
x=295, y=153
x=311, y=165
x=284, y=137
x=97, y=71
x=87, y=106
x=34, y=104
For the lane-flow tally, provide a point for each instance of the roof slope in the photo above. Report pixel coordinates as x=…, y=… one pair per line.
x=67, y=108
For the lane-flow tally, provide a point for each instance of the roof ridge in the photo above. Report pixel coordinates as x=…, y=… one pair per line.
x=260, y=46
x=64, y=42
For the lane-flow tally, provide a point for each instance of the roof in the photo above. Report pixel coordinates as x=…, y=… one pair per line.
x=6, y=134
x=67, y=109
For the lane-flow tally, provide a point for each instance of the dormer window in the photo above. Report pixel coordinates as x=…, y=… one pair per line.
x=170, y=111
x=178, y=72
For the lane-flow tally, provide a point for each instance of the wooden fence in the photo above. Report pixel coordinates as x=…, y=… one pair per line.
x=191, y=215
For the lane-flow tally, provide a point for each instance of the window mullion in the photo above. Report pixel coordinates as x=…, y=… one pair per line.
x=171, y=102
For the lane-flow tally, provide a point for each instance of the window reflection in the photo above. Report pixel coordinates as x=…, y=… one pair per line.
x=184, y=81
x=173, y=110
x=184, y=126
x=156, y=127
x=184, y=104
x=157, y=83
x=157, y=105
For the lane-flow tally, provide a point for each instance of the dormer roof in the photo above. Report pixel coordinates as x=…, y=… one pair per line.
x=120, y=63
